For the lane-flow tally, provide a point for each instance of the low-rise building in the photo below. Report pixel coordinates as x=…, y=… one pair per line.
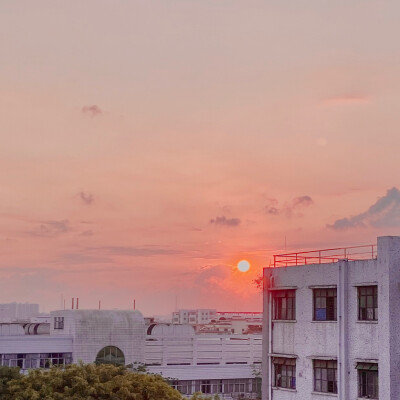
x=13, y=312
x=228, y=365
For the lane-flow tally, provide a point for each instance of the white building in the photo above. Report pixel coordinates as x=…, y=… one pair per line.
x=12, y=312
x=193, y=317
x=325, y=334
x=227, y=365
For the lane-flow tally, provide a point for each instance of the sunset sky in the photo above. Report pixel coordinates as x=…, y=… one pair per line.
x=146, y=146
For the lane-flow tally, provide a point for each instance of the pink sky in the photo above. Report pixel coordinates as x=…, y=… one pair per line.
x=147, y=146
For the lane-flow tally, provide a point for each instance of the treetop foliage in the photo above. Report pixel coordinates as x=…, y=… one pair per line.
x=86, y=382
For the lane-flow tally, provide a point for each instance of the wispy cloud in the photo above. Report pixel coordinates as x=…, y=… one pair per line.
x=86, y=198
x=86, y=233
x=347, y=99
x=289, y=208
x=91, y=111
x=223, y=221
x=384, y=213
x=145, y=251
x=80, y=258
x=51, y=228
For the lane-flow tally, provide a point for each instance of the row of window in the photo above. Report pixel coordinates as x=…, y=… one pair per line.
x=325, y=304
x=218, y=386
x=325, y=376
x=35, y=360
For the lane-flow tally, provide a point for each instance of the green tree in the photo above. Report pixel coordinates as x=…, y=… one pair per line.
x=7, y=374
x=90, y=381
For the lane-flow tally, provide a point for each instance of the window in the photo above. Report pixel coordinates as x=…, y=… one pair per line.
x=325, y=376
x=184, y=387
x=110, y=355
x=284, y=304
x=35, y=360
x=205, y=387
x=236, y=385
x=325, y=303
x=367, y=380
x=285, y=372
x=58, y=322
x=368, y=303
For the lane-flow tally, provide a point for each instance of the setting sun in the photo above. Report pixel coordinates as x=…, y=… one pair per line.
x=243, y=266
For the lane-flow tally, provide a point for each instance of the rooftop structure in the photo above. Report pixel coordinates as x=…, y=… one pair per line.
x=325, y=332
x=12, y=312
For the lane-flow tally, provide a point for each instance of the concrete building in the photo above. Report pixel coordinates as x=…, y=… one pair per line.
x=12, y=312
x=204, y=316
x=193, y=317
x=227, y=365
x=325, y=333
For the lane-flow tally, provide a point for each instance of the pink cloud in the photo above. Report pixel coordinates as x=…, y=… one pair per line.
x=347, y=99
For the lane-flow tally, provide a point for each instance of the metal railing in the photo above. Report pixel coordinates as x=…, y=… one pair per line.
x=325, y=256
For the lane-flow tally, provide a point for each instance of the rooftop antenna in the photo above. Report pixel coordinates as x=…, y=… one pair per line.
x=73, y=302
x=134, y=304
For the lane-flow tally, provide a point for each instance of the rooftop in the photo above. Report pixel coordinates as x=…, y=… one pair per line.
x=324, y=256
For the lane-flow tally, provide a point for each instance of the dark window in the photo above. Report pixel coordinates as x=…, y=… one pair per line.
x=325, y=376
x=368, y=303
x=367, y=380
x=325, y=304
x=284, y=304
x=205, y=387
x=285, y=372
x=58, y=322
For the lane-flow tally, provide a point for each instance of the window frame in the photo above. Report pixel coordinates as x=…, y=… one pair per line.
x=284, y=365
x=368, y=380
x=281, y=312
x=320, y=303
x=319, y=366
x=110, y=355
x=58, y=322
x=367, y=313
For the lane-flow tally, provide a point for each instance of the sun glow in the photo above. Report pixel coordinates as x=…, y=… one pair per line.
x=243, y=266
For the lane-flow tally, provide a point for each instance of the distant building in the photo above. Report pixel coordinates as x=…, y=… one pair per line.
x=11, y=312
x=331, y=324
x=193, y=317
x=223, y=322
x=228, y=365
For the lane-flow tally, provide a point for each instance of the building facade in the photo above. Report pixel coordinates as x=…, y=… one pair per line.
x=193, y=317
x=228, y=365
x=332, y=329
x=12, y=312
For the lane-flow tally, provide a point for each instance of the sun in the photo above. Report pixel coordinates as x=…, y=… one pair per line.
x=243, y=266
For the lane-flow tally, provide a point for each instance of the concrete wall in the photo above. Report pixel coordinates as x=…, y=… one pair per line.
x=203, y=349
x=94, y=329
x=347, y=339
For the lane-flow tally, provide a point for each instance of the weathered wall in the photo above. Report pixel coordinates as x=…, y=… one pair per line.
x=306, y=338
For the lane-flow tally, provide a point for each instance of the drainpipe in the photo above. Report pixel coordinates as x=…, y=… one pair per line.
x=342, y=344
x=270, y=337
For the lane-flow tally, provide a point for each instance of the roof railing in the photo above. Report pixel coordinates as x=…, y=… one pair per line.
x=325, y=256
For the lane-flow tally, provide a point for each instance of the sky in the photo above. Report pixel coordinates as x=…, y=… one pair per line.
x=147, y=146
